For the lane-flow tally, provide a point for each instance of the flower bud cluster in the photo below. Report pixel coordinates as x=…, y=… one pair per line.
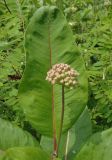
x=62, y=74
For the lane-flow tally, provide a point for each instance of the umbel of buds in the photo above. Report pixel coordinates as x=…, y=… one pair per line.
x=62, y=74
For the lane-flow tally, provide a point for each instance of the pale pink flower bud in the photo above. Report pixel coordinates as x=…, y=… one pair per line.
x=66, y=84
x=72, y=78
x=62, y=75
x=74, y=82
x=47, y=78
x=76, y=73
x=66, y=79
x=62, y=81
x=53, y=82
x=70, y=81
x=59, y=70
x=56, y=73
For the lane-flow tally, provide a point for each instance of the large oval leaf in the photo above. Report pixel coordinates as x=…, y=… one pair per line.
x=48, y=41
x=98, y=147
x=13, y=136
x=26, y=153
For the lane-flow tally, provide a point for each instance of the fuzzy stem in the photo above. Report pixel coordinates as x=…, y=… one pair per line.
x=62, y=117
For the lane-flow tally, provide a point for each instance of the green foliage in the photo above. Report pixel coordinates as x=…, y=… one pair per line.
x=91, y=24
x=12, y=57
x=49, y=40
x=92, y=27
x=73, y=140
x=97, y=147
x=82, y=130
x=12, y=136
x=26, y=153
x=98, y=56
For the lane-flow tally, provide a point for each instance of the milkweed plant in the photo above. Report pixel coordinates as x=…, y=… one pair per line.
x=65, y=76
x=53, y=97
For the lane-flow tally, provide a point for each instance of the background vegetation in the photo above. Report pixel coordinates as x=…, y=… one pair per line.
x=91, y=23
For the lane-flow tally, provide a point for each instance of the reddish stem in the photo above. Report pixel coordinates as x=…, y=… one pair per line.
x=53, y=109
x=54, y=126
x=62, y=117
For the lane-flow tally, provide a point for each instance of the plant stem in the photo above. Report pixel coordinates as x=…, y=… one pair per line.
x=54, y=126
x=7, y=6
x=62, y=117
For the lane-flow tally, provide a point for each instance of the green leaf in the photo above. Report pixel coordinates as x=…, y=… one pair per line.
x=73, y=141
x=13, y=136
x=5, y=45
x=36, y=3
x=13, y=92
x=98, y=147
x=48, y=41
x=1, y=84
x=79, y=134
x=25, y=153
